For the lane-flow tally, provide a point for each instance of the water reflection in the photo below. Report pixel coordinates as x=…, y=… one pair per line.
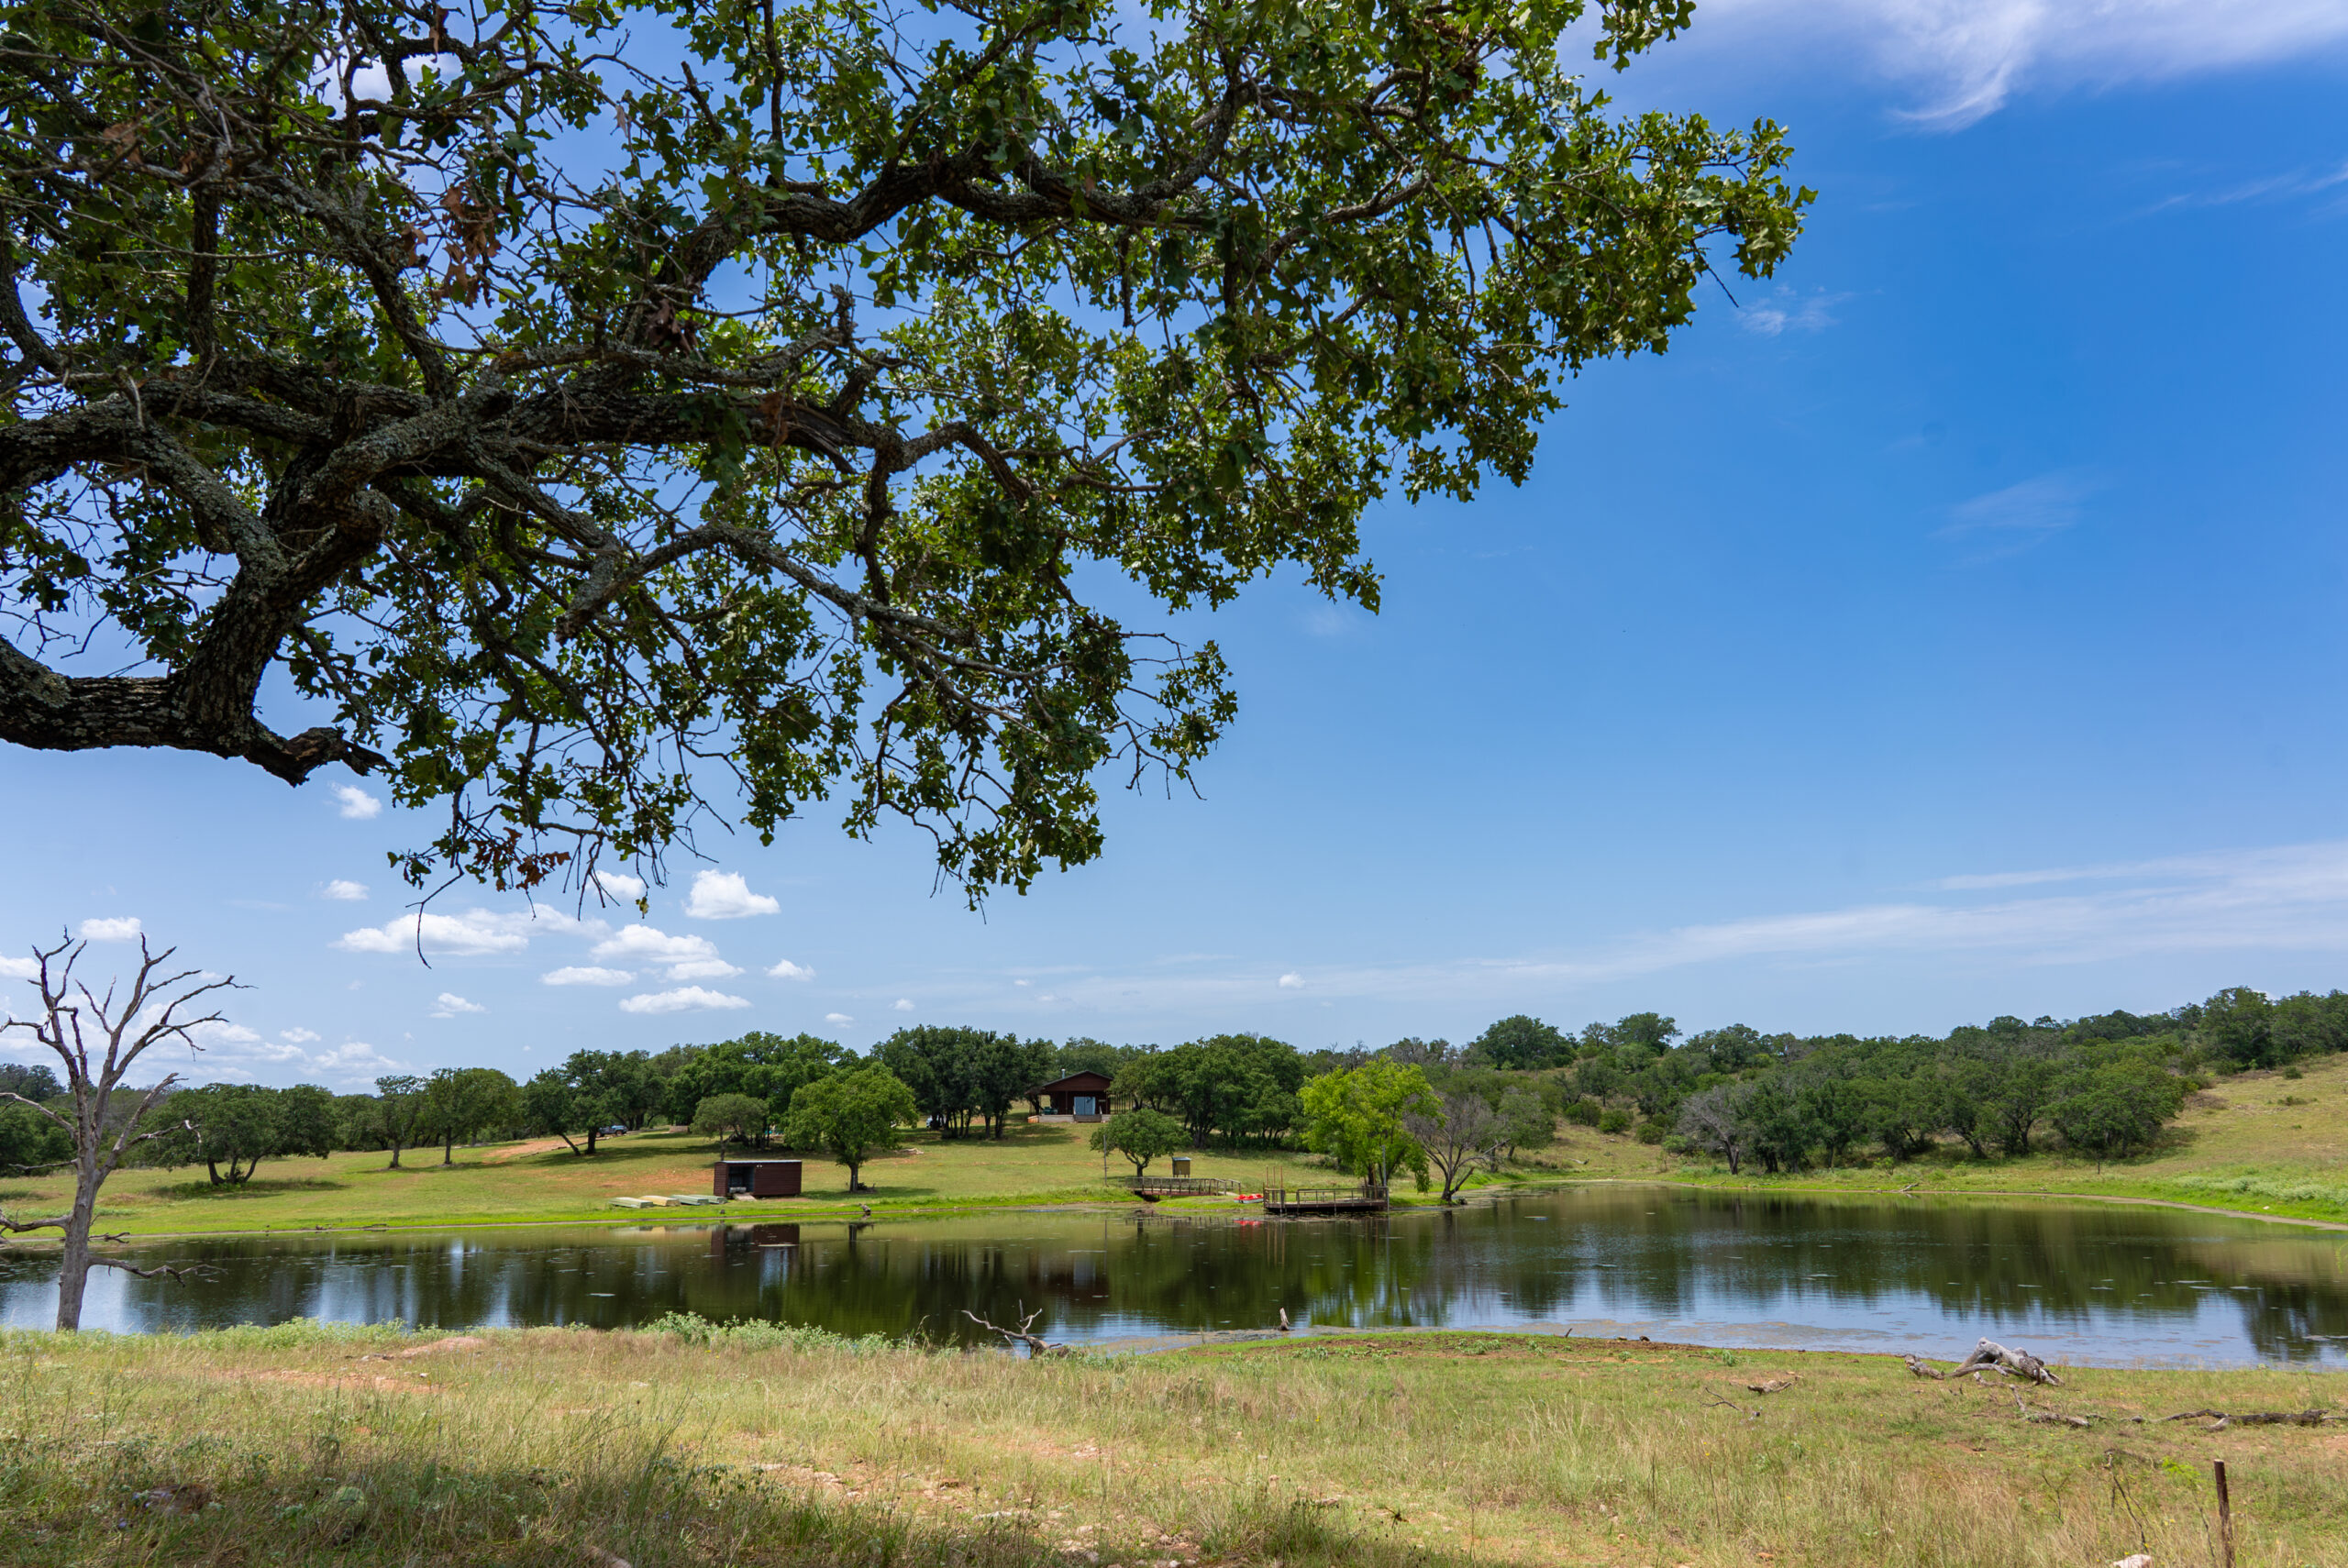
x=2084, y=1284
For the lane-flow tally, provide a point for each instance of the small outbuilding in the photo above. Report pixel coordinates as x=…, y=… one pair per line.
x=1080, y=1097
x=755, y=1179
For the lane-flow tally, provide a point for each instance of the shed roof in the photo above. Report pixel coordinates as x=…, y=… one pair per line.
x=1076, y=1083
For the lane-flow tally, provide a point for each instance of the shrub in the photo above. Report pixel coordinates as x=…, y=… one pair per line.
x=1583, y=1112
x=1652, y=1131
x=1614, y=1118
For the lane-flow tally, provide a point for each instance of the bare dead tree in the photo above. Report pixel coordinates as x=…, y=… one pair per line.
x=98, y=1040
x=1468, y=1134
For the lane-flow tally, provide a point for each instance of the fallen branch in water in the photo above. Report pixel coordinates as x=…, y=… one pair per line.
x=1023, y=1335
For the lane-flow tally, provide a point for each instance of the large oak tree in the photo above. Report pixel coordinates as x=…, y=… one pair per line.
x=593, y=413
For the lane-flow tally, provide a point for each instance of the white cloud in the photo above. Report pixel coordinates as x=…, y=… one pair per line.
x=19, y=969
x=784, y=969
x=618, y=886
x=687, y=957
x=370, y=80
x=724, y=895
x=1291, y=982
x=651, y=944
x=470, y=933
x=219, y=1033
x=703, y=969
x=903, y=1004
x=1967, y=58
x=298, y=1036
x=357, y=804
x=586, y=975
x=451, y=1004
x=344, y=892
x=837, y=1018
x=125, y=929
x=685, y=999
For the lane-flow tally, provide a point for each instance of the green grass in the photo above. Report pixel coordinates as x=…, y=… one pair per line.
x=2259, y=1143
x=304, y=1444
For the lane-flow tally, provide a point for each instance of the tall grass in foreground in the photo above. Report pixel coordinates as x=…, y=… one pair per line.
x=760, y=1445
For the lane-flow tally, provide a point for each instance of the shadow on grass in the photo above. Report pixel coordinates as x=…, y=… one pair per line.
x=260, y=1187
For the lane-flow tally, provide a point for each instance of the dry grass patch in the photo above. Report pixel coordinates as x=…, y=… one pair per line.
x=550, y=1446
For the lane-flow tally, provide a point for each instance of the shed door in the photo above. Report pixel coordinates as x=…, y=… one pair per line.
x=1084, y=1103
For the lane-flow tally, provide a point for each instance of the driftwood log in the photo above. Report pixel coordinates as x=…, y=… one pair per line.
x=2047, y=1417
x=2221, y=1419
x=1988, y=1356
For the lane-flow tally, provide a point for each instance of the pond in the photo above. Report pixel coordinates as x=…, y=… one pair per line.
x=2108, y=1284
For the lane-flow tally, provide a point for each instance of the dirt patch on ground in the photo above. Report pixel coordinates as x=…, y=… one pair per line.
x=535, y=1146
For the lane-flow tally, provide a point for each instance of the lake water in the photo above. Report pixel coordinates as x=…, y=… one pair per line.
x=2082, y=1284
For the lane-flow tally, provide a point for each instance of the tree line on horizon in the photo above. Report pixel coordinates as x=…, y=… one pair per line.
x=2103, y=1085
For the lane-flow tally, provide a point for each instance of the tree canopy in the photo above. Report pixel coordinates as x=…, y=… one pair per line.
x=570, y=404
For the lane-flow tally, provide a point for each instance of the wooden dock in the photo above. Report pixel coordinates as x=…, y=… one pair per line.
x=1366, y=1198
x=1150, y=1189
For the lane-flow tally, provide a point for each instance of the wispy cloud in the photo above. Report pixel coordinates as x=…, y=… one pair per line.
x=784, y=969
x=2007, y=522
x=838, y=1018
x=344, y=892
x=19, y=969
x=1966, y=58
x=298, y=1036
x=724, y=895
x=903, y=1004
x=123, y=929
x=1788, y=311
x=2290, y=899
x=448, y=1004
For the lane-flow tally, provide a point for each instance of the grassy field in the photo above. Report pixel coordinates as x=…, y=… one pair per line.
x=2259, y=1143
x=301, y=1444
x=531, y=1182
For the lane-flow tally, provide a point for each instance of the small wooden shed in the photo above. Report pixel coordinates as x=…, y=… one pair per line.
x=755, y=1179
x=1081, y=1097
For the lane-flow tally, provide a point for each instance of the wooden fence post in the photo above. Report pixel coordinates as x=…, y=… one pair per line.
x=2225, y=1516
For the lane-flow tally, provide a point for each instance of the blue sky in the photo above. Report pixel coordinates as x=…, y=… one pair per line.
x=1951, y=626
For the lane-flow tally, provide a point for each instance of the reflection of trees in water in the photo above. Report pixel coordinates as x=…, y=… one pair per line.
x=1627, y=1253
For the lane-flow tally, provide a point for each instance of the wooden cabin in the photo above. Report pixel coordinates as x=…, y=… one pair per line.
x=755, y=1179
x=1080, y=1097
